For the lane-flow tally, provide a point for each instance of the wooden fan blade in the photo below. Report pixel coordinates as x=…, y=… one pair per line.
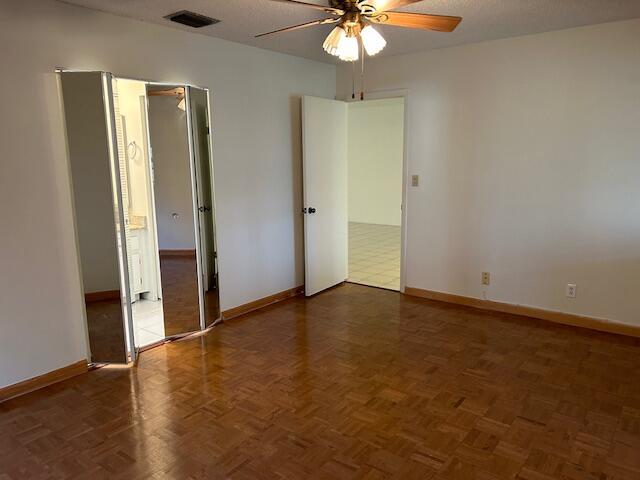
x=323, y=21
x=327, y=9
x=383, y=5
x=440, y=23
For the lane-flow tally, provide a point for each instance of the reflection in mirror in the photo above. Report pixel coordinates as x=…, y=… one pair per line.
x=142, y=176
x=129, y=98
x=95, y=204
x=174, y=208
x=199, y=111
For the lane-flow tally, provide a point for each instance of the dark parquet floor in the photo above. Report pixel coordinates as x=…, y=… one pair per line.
x=180, y=302
x=355, y=383
x=106, y=331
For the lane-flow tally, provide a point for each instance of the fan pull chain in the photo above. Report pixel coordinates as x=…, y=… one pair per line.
x=362, y=71
x=353, y=80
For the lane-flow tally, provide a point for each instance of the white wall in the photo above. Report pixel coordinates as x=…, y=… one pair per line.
x=256, y=134
x=528, y=151
x=172, y=174
x=375, y=153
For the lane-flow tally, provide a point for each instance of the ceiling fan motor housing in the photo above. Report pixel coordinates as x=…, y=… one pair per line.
x=352, y=23
x=361, y=6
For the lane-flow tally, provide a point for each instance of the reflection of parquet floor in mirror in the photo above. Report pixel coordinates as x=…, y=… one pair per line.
x=354, y=383
x=106, y=331
x=180, y=294
x=211, y=306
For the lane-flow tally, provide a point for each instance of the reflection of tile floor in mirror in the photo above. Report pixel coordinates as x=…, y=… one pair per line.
x=374, y=255
x=148, y=321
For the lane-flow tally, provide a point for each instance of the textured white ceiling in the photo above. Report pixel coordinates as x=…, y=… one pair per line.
x=482, y=20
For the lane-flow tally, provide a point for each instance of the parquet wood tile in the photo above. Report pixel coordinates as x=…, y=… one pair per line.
x=179, y=294
x=355, y=383
x=106, y=334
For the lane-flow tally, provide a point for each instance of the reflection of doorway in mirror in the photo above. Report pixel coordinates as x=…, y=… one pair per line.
x=140, y=155
x=135, y=168
x=174, y=207
x=205, y=202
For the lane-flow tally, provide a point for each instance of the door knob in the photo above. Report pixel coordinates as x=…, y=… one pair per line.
x=312, y=210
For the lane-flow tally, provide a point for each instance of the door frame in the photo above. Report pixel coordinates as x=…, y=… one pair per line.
x=404, y=94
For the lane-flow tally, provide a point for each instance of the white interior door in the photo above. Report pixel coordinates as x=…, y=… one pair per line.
x=324, y=152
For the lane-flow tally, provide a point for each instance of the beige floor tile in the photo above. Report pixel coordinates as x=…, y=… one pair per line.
x=374, y=255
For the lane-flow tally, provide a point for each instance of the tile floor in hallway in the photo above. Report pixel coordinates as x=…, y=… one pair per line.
x=374, y=255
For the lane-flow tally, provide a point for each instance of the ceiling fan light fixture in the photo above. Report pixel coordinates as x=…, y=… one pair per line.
x=354, y=33
x=332, y=42
x=348, y=49
x=372, y=40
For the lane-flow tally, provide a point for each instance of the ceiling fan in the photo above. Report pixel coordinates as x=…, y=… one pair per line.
x=355, y=19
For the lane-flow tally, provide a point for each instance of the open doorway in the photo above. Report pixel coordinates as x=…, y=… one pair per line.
x=353, y=178
x=375, y=155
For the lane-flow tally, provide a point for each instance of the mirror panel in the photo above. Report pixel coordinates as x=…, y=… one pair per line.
x=129, y=98
x=174, y=208
x=97, y=222
x=200, y=130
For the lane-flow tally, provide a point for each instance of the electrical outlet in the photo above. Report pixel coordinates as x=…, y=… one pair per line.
x=486, y=278
x=571, y=290
x=415, y=180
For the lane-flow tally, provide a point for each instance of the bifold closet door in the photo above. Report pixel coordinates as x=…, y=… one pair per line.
x=176, y=217
x=324, y=165
x=99, y=220
x=203, y=169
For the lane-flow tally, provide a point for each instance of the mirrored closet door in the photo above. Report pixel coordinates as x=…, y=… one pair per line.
x=140, y=157
x=201, y=146
x=99, y=221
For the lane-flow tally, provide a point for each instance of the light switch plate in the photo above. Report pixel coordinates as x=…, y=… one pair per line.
x=415, y=180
